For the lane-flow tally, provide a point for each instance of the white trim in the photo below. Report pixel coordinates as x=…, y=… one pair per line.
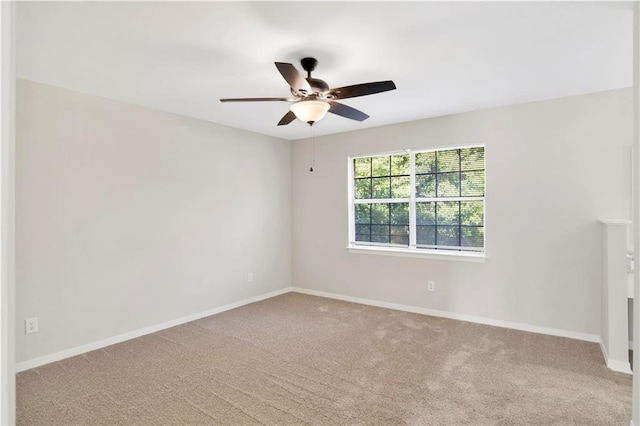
x=350, y=197
x=7, y=214
x=447, y=199
x=456, y=316
x=413, y=229
x=383, y=154
x=420, y=150
x=614, y=364
x=615, y=221
x=381, y=200
x=603, y=349
x=458, y=249
x=47, y=359
x=635, y=213
x=619, y=366
x=470, y=256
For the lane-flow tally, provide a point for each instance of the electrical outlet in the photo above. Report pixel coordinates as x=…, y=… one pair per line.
x=431, y=285
x=30, y=325
x=250, y=277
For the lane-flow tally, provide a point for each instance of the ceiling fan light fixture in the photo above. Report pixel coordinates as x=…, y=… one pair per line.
x=310, y=111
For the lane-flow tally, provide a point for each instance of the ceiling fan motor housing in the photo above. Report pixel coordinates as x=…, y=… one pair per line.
x=318, y=86
x=309, y=64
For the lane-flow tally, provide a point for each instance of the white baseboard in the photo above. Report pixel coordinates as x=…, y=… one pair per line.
x=603, y=348
x=619, y=366
x=68, y=353
x=455, y=316
x=37, y=362
x=614, y=364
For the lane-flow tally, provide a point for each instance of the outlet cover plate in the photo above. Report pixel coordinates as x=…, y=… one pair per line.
x=30, y=325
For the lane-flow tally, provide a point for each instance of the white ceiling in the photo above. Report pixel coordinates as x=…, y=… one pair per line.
x=444, y=57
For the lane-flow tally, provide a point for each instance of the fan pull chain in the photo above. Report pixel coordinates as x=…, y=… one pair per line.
x=313, y=149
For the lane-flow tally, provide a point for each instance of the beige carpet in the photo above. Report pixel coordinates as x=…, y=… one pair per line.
x=298, y=359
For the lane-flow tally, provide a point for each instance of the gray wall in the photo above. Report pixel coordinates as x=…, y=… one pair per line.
x=553, y=168
x=128, y=217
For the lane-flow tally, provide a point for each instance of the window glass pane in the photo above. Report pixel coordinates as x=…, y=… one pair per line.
x=397, y=239
x=400, y=234
x=363, y=230
x=448, y=161
x=471, y=212
x=472, y=183
x=381, y=166
x=363, y=213
x=448, y=184
x=381, y=188
x=401, y=187
x=380, y=213
x=400, y=230
x=380, y=238
x=362, y=167
x=400, y=165
x=380, y=229
x=426, y=213
x=448, y=235
x=399, y=213
x=363, y=188
x=472, y=237
x=447, y=213
x=380, y=233
x=472, y=158
x=425, y=185
x=426, y=235
x=389, y=224
x=426, y=162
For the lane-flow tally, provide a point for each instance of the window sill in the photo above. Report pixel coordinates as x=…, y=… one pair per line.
x=425, y=254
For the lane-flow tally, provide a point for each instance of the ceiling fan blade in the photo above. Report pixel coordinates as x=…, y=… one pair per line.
x=361, y=89
x=297, y=82
x=346, y=111
x=287, y=118
x=257, y=100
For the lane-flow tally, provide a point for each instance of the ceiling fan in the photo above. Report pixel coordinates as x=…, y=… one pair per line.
x=312, y=97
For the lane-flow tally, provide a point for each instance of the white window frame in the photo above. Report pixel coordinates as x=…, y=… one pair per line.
x=412, y=250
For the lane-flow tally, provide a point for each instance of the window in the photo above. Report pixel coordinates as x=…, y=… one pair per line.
x=419, y=200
